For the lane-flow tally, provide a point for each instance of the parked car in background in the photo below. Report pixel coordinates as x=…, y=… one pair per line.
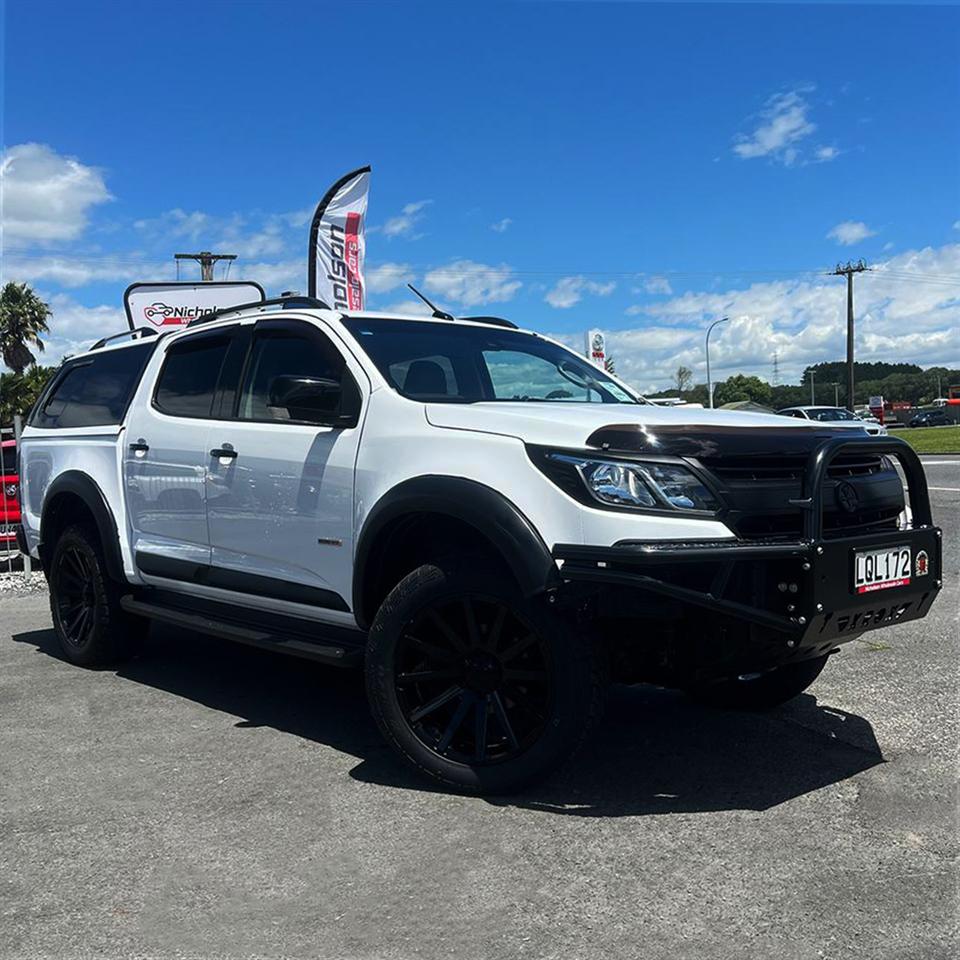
x=930, y=418
x=9, y=495
x=836, y=416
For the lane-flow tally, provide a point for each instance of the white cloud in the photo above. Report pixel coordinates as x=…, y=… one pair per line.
x=47, y=196
x=657, y=285
x=501, y=226
x=956, y=224
x=826, y=154
x=850, y=232
x=80, y=270
x=570, y=290
x=804, y=320
x=783, y=124
x=469, y=283
x=387, y=276
x=402, y=225
x=412, y=306
x=275, y=277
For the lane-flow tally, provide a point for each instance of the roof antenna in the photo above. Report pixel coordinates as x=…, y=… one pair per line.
x=439, y=314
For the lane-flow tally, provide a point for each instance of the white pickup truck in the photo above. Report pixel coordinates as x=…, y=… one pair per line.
x=491, y=526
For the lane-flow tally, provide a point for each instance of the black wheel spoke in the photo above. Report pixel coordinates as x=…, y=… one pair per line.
x=83, y=625
x=496, y=628
x=70, y=580
x=470, y=617
x=436, y=703
x=437, y=653
x=516, y=649
x=525, y=676
x=463, y=708
x=74, y=559
x=448, y=632
x=421, y=676
x=501, y=712
x=480, y=729
x=74, y=621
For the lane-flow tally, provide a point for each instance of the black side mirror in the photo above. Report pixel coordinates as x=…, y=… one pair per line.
x=307, y=399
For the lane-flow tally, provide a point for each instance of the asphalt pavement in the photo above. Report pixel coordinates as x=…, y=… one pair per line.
x=208, y=800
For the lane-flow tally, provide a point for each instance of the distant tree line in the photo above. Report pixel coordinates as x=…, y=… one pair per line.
x=893, y=381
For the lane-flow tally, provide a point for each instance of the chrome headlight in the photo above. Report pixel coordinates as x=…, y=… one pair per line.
x=651, y=484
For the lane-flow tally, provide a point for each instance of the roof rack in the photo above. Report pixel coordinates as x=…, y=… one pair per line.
x=142, y=331
x=285, y=303
x=493, y=321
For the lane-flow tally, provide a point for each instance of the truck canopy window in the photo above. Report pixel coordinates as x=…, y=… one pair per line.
x=188, y=381
x=93, y=391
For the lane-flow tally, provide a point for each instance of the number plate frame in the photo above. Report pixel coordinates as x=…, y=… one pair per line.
x=882, y=568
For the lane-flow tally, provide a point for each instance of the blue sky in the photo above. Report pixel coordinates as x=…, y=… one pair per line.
x=635, y=167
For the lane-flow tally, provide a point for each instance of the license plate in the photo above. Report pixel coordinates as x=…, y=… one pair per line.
x=10, y=528
x=881, y=569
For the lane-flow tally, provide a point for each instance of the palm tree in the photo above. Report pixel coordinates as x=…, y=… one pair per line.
x=23, y=317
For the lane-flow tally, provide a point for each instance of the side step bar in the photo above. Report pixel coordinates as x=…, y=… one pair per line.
x=340, y=656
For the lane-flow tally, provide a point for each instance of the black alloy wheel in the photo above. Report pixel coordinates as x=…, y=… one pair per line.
x=474, y=684
x=473, y=680
x=75, y=595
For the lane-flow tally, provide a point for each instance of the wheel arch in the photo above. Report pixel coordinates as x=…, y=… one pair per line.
x=67, y=499
x=446, y=504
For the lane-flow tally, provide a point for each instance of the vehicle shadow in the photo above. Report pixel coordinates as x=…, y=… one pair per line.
x=655, y=752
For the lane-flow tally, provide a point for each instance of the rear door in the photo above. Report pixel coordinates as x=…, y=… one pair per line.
x=280, y=489
x=166, y=456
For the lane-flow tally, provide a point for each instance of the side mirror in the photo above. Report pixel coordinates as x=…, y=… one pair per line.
x=307, y=399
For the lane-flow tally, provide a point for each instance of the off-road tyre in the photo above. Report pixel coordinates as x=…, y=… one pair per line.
x=764, y=692
x=92, y=628
x=494, y=741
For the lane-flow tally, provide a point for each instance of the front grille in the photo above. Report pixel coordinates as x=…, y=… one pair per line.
x=758, y=491
x=771, y=469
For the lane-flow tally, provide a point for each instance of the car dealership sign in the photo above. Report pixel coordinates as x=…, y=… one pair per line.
x=595, y=348
x=169, y=305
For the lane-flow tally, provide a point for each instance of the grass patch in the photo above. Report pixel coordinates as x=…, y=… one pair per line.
x=931, y=439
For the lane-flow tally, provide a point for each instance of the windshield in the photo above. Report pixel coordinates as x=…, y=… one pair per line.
x=832, y=413
x=460, y=363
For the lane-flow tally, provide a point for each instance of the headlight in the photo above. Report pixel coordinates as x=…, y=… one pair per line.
x=669, y=486
x=11, y=490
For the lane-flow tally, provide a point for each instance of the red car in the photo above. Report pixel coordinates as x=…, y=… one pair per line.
x=9, y=495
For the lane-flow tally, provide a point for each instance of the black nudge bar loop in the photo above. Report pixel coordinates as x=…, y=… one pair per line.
x=821, y=458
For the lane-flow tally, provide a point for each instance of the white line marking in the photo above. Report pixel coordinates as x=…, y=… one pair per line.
x=951, y=489
x=939, y=463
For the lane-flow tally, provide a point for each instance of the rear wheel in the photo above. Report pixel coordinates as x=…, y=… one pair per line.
x=89, y=622
x=762, y=691
x=475, y=685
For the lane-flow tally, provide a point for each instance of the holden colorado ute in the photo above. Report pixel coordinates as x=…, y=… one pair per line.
x=493, y=527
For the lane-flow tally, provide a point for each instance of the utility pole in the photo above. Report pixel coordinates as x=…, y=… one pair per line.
x=836, y=394
x=776, y=369
x=206, y=259
x=848, y=271
x=813, y=401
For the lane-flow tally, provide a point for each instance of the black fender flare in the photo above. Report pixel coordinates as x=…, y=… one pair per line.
x=82, y=486
x=493, y=516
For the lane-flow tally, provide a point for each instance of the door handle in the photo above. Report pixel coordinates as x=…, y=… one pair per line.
x=224, y=453
x=141, y=446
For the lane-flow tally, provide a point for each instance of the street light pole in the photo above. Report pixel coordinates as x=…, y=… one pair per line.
x=709, y=381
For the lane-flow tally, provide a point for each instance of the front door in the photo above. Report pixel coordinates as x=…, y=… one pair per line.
x=280, y=487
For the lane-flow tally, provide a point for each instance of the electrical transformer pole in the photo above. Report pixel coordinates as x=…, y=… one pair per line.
x=848, y=271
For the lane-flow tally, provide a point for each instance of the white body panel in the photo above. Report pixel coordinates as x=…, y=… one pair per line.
x=293, y=504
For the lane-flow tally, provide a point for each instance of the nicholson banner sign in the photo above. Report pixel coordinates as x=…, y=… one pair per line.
x=595, y=348
x=335, y=263
x=169, y=305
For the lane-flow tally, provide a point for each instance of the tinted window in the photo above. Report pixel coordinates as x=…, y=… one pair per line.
x=463, y=363
x=189, y=377
x=281, y=354
x=8, y=458
x=93, y=391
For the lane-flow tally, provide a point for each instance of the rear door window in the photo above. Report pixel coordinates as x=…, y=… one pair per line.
x=188, y=381
x=93, y=391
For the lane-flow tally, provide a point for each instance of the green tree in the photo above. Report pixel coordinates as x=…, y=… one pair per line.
x=739, y=387
x=19, y=391
x=23, y=318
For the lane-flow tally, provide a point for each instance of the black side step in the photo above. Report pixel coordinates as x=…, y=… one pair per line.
x=339, y=655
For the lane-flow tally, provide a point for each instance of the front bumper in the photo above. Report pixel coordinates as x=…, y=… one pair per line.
x=797, y=594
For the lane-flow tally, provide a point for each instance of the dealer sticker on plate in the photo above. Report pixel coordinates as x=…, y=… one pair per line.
x=881, y=569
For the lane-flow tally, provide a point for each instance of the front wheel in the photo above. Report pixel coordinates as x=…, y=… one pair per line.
x=475, y=685
x=760, y=691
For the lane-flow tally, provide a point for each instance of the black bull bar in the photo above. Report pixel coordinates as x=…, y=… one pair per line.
x=820, y=605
